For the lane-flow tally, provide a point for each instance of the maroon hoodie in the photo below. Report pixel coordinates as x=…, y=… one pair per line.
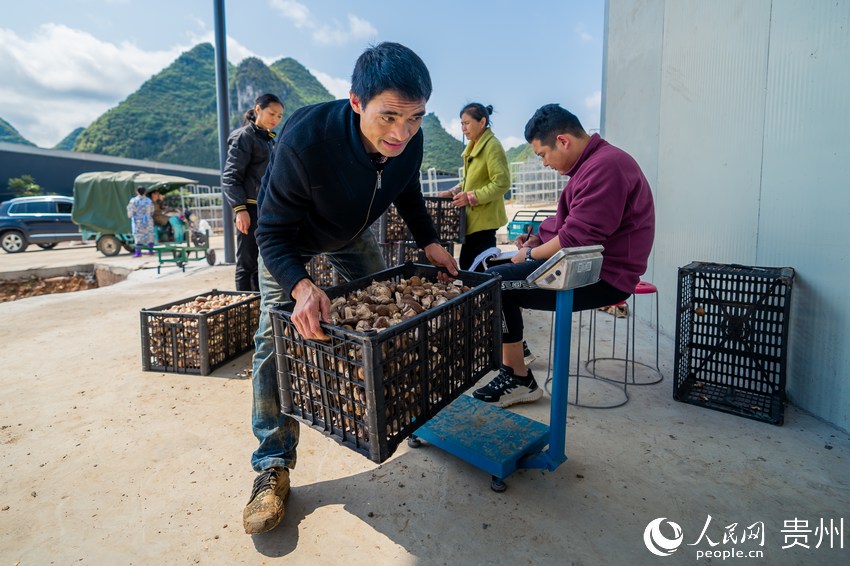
x=607, y=201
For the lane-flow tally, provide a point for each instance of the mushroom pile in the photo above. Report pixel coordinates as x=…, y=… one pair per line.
x=175, y=341
x=384, y=304
x=329, y=381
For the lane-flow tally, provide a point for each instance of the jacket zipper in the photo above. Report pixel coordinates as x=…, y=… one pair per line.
x=371, y=202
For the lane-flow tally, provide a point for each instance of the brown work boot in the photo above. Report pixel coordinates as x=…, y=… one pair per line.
x=265, y=510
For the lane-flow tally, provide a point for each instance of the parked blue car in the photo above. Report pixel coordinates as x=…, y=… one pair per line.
x=44, y=221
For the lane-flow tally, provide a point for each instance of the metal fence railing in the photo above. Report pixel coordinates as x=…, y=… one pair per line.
x=531, y=183
x=433, y=182
x=204, y=201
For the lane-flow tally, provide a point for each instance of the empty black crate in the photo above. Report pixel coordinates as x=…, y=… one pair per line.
x=449, y=221
x=732, y=338
x=199, y=342
x=370, y=390
x=399, y=253
x=322, y=272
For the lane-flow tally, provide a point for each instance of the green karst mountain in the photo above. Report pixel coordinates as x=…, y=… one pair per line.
x=9, y=134
x=309, y=90
x=68, y=141
x=442, y=151
x=520, y=153
x=252, y=78
x=172, y=116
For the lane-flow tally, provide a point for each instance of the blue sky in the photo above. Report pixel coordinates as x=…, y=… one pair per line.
x=65, y=62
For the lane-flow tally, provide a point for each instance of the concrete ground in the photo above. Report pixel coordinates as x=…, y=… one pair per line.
x=103, y=463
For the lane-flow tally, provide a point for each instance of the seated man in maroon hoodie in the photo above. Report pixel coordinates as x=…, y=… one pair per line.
x=607, y=201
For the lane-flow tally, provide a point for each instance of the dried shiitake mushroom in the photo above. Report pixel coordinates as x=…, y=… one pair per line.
x=391, y=302
x=175, y=340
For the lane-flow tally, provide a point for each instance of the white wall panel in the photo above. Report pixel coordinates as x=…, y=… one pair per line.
x=805, y=198
x=630, y=117
x=746, y=141
x=714, y=71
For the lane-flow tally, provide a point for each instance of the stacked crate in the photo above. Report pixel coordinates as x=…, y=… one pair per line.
x=396, y=241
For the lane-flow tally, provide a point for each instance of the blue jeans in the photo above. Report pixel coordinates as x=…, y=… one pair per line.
x=276, y=432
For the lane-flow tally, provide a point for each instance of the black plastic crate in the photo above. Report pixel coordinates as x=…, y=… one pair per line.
x=325, y=275
x=399, y=253
x=198, y=343
x=449, y=221
x=322, y=272
x=732, y=338
x=370, y=390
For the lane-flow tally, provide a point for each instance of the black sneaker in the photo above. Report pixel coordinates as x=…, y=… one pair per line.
x=528, y=357
x=506, y=389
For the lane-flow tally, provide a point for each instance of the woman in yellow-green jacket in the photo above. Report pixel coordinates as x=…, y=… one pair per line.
x=486, y=179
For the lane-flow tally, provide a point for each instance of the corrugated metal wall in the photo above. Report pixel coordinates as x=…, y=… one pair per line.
x=737, y=112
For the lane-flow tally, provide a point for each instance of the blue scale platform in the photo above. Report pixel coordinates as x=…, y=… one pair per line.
x=490, y=438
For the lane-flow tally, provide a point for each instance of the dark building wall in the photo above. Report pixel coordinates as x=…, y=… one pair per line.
x=56, y=170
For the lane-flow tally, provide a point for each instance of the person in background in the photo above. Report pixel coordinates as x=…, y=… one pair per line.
x=160, y=218
x=486, y=179
x=140, y=212
x=338, y=167
x=607, y=201
x=248, y=151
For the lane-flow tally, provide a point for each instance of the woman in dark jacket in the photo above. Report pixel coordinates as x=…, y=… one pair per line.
x=248, y=151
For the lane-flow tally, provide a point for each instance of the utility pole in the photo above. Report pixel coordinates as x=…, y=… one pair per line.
x=223, y=105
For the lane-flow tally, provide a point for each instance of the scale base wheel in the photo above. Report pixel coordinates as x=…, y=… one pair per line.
x=414, y=442
x=497, y=485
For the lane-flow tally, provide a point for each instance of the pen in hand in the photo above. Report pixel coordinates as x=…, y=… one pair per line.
x=529, y=231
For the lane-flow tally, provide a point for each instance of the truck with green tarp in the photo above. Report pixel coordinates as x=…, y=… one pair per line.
x=100, y=205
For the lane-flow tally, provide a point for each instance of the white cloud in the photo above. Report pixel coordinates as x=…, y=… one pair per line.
x=62, y=78
x=59, y=59
x=512, y=141
x=46, y=120
x=337, y=87
x=236, y=52
x=593, y=101
x=453, y=127
x=582, y=33
x=324, y=33
x=297, y=12
x=593, y=104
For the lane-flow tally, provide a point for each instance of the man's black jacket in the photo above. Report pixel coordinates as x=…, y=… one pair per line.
x=322, y=190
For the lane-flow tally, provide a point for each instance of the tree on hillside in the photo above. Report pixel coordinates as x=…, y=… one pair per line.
x=25, y=186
